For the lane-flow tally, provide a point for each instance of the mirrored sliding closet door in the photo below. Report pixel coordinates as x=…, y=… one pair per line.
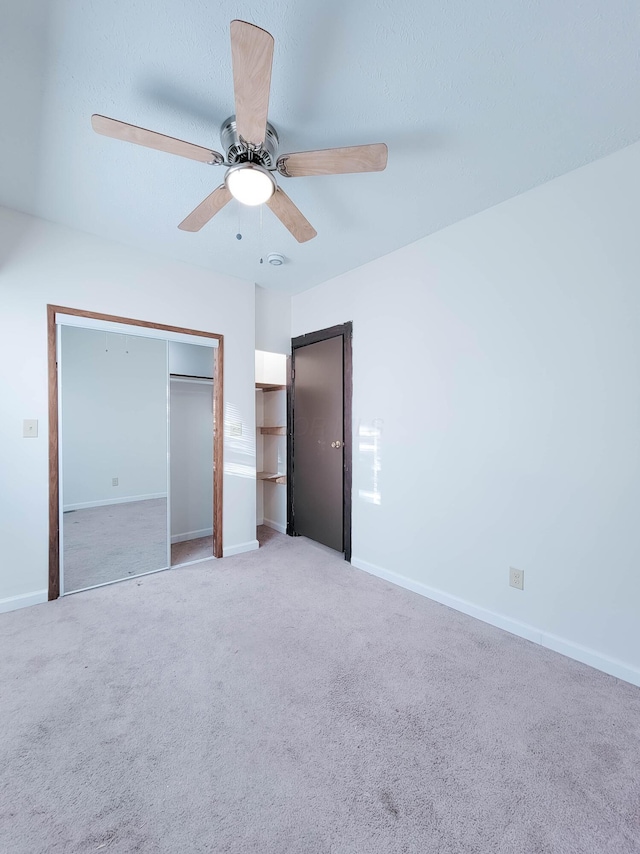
x=113, y=456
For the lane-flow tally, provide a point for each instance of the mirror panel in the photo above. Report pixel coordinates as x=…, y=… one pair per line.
x=114, y=403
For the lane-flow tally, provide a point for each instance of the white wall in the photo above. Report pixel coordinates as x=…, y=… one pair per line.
x=497, y=390
x=114, y=417
x=43, y=263
x=191, y=460
x=273, y=321
x=271, y=368
x=259, y=458
x=191, y=360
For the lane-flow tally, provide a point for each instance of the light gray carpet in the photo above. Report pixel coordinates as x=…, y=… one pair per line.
x=197, y=549
x=282, y=702
x=117, y=541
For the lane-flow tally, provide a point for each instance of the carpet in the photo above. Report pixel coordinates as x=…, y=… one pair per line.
x=197, y=549
x=281, y=701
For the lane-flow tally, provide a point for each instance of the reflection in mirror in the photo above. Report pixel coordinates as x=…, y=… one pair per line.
x=113, y=394
x=191, y=426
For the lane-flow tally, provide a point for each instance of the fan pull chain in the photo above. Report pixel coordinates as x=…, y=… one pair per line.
x=261, y=236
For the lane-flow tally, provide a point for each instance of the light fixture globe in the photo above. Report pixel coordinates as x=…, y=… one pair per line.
x=250, y=183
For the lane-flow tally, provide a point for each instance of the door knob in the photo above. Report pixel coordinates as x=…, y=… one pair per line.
x=337, y=444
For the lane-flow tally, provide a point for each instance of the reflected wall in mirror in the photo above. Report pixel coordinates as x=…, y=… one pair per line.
x=113, y=395
x=191, y=427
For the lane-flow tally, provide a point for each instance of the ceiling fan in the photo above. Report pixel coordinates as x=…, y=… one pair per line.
x=251, y=144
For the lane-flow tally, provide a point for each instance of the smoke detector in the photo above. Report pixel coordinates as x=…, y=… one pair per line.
x=275, y=259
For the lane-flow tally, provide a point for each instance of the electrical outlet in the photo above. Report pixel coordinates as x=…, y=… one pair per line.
x=114, y=481
x=30, y=428
x=516, y=578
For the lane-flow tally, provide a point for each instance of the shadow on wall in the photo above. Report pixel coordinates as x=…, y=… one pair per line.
x=240, y=445
x=24, y=67
x=15, y=229
x=370, y=461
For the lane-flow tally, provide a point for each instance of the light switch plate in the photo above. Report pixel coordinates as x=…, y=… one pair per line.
x=235, y=429
x=30, y=428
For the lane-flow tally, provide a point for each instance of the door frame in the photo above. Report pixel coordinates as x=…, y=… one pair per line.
x=54, y=451
x=344, y=330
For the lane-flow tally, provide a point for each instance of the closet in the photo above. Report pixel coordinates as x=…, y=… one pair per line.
x=135, y=439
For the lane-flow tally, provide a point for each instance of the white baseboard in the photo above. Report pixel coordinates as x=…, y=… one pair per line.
x=105, y=502
x=191, y=535
x=12, y=603
x=612, y=666
x=275, y=525
x=229, y=551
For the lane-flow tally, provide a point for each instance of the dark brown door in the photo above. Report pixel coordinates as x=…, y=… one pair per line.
x=318, y=441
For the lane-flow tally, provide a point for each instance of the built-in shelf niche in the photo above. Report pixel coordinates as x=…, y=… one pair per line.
x=271, y=432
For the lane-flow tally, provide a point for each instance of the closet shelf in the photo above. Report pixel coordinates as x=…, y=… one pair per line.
x=273, y=431
x=271, y=477
x=270, y=387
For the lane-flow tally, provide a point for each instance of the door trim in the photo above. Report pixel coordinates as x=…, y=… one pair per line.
x=344, y=330
x=54, y=490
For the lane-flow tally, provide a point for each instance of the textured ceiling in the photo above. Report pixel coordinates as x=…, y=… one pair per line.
x=476, y=101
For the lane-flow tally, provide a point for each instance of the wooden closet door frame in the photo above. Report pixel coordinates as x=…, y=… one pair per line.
x=54, y=453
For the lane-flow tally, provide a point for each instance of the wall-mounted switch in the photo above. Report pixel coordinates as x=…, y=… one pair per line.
x=235, y=429
x=114, y=481
x=30, y=428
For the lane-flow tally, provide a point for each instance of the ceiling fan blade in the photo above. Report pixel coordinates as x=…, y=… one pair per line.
x=151, y=139
x=252, y=57
x=334, y=161
x=206, y=210
x=291, y=217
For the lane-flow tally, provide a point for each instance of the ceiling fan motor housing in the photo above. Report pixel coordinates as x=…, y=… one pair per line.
x=239, y=152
